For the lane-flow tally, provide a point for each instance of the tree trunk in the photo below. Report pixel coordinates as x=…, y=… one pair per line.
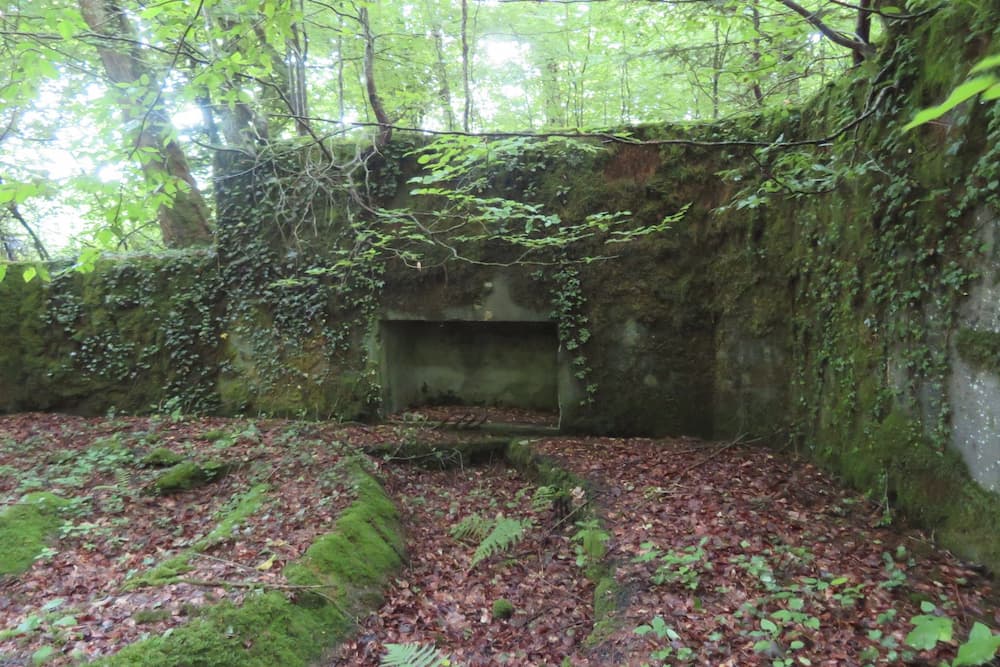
x=863, y=30
x=297, y=52
x=466, y=85
x=444, y=90
x=758, y=94
x=384, y=134
x=185, y=221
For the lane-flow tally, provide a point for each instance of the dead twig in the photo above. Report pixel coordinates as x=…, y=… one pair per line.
x=740, y=439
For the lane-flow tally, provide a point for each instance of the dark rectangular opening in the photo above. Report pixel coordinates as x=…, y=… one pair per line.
x=493, y=364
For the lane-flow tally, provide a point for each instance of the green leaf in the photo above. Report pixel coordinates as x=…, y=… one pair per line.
x=29, y=624
x=411, y=655
x=967, y=90
x=42, y=655
x=928, y=631
x=3, y=271
x=981, y=648
x=506, y=532
x=991, y=93
x=53, y=604
x=29, y=274
x=986, y=63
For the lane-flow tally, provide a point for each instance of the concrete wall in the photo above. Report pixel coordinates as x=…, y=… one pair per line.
x=974, y=386
x=510, y=364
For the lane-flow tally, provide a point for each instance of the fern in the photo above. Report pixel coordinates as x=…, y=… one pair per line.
x=412, y=655
x=473, y=527
x=546, y=497
x=506, y=532
x=123, y=478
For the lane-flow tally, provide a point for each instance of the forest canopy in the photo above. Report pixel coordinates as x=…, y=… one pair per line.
x=112, y=111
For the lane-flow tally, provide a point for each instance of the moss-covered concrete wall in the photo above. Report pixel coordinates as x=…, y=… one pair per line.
x=836, y=294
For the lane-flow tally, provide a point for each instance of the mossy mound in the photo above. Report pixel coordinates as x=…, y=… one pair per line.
x=25, y=528
x=341, y=577
x=188, y=475
x=503, y=608
x=161, y=457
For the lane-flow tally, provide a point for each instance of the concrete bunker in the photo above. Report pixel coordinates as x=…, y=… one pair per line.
x=510, y=364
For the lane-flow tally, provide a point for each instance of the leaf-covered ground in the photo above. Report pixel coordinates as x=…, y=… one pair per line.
x=80, y=597
x=721, y=553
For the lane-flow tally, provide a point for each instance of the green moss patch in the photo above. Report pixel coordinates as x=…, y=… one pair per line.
x=932, y=487
x=25, y=528
x=161, y=457
x=188, y=475
x=503, y=608
x=171, y=569
x=981, y=349
x=339, y=578
x=442, y=454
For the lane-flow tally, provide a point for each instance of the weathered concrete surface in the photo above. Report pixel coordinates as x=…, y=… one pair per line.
x=975, y=390
x=510, y=364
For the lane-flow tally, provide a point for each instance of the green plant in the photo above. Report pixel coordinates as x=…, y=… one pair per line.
x=931, y=627
x=413, y=655
x=506, y=532
x=474, y=527
x=659, y=629
x=683, y=566
x=568, y=310
x=590, y=542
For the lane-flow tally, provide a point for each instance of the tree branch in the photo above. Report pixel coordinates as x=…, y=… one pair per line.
x=610, y=137
x=836, y=37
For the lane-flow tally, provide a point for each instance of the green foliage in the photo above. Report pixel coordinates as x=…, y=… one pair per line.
x=413, y=655
x=569, y=311
x=979, y=348
x=986, y=86
x=590, y=542
x=681, y=566
x=675, y=652
x=506, y=532
x=473, y=527
x=930, y=628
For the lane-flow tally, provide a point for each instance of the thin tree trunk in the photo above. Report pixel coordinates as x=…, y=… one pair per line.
x=298, y=51
x=716, y=72
x=758, y=94
x=185, y=221
x=35, y=240
x=466, y=86
x=444, y=90
x=863, y=29
x=385, y=126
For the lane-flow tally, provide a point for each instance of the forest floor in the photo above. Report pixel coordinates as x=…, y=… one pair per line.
x=695, y=552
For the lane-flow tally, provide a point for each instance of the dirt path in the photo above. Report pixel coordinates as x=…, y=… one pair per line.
x=441, y=599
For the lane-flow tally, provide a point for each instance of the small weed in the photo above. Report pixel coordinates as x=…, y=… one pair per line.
x=663, y=632
x=683, y=567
